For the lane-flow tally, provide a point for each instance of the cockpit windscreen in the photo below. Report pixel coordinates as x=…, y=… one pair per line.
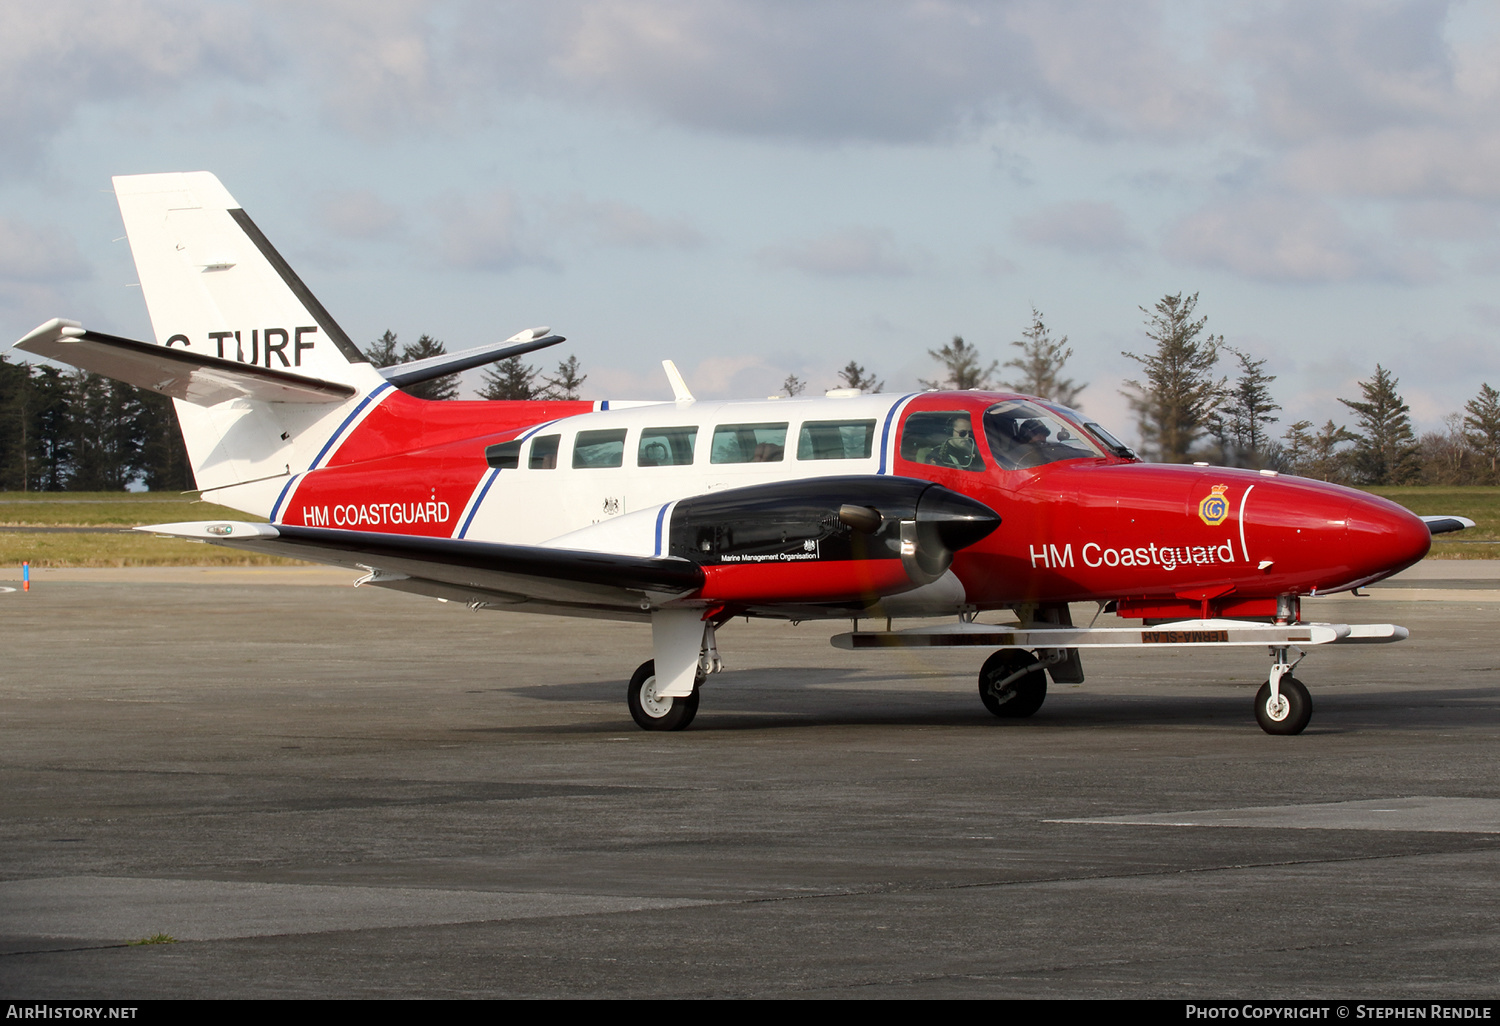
x=1022, y=434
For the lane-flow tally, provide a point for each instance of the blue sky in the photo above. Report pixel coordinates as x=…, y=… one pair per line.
x=757, y=189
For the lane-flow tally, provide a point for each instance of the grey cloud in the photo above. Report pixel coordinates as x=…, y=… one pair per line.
x=377, y=65
x=1083, y=227
x=614, y=223
x=1291, y=240
x=847, y=252
x=1350, y=67
x=487, y=233
x=56, y=55
x=1434, y=161
x=1391, y=99
x=993, y=265
x=33, y=254
x=843, y=69
x=1487, y=314
x=359, y=215
x=1448, y=219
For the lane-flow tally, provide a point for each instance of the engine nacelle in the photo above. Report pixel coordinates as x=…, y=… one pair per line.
x=831, y=539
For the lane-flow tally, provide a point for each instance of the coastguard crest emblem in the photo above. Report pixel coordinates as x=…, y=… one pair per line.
x=1214, y=509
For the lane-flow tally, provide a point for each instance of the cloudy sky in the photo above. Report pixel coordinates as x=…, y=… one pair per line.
x=761, y=188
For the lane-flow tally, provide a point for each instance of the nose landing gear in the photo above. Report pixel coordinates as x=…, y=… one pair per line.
x=1282, y=705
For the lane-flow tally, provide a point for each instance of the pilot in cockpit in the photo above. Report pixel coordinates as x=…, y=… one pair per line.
x=958, y=449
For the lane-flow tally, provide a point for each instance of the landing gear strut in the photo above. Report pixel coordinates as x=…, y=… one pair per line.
x=655, y=712
x=1282, y=705
x=1012, y=684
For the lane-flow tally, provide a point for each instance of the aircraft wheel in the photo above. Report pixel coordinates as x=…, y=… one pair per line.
x=653, y=712
x=1291, y=714
x=1022, y=696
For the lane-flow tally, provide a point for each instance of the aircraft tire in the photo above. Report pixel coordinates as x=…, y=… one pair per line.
x=1295, y=710
x=1021, y=697
x=652, y=713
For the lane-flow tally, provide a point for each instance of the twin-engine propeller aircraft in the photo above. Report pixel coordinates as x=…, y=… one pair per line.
x=688, y=513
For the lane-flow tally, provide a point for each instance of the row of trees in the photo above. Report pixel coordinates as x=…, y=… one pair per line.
x=506, y=379
x=1187, y=410
x=70, y=430
x=64, y=430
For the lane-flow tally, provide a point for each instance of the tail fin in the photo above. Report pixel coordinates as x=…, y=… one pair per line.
x=214, y=286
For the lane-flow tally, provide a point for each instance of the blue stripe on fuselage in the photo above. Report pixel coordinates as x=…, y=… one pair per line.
x=347, y=421
x=885, y=434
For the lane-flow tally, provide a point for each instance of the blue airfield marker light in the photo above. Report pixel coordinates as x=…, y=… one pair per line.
x=26, y=576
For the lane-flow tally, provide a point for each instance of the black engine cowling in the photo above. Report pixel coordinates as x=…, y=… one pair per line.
x=831, y=519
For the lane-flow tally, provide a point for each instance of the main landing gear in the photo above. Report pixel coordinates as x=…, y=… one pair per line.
x=1012, y=683
x=652, y=711
x=1282, y=705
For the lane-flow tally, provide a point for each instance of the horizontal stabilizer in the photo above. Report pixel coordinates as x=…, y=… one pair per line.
x=1445, y=525
x=200, y=380
x=536, y=578
x=403, y=374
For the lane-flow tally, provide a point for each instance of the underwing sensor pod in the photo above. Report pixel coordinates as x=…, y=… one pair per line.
x=986, y=514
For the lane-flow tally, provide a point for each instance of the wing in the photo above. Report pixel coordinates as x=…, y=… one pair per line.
x=527, y=578
x=1443, y=525
x=201, y=380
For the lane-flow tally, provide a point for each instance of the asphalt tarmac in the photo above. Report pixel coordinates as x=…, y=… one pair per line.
x=319, y=791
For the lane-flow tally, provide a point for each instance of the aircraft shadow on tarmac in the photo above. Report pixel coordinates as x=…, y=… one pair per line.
x=779, y=698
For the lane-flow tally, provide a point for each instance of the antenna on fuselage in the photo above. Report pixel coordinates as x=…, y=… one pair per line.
x=679, y=387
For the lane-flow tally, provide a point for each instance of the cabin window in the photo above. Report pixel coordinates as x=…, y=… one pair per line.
x=598, y=449
x=666, y=447
x=836, y=440
x=544, y=452
x=941, y=438
x=748, y=443
x=505, y=456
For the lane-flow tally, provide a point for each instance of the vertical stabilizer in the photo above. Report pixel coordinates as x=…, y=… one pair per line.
x=215, y=286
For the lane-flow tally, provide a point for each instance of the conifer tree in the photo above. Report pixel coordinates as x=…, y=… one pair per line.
x=1385, y=452
x=566, y=383
x=1242, y=430
x=1482, y=430
x=854, y=376
x=1039, y=366
x=16, y=426
x=51, y=441
x=445, y=387
x=793, y=385
x=163, y=461
x=382, y=352
x=961, y=360
x=1180, y=393
x=509, y=379
x=106, y=433
x=1317, y=455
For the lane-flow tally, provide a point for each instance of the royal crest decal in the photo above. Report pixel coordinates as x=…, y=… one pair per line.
x=1214, y=509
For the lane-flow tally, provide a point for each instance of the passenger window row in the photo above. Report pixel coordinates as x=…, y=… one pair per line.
x=674, y=446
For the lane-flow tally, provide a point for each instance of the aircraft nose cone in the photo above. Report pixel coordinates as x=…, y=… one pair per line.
x=1385, y=538
x=957, y=519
